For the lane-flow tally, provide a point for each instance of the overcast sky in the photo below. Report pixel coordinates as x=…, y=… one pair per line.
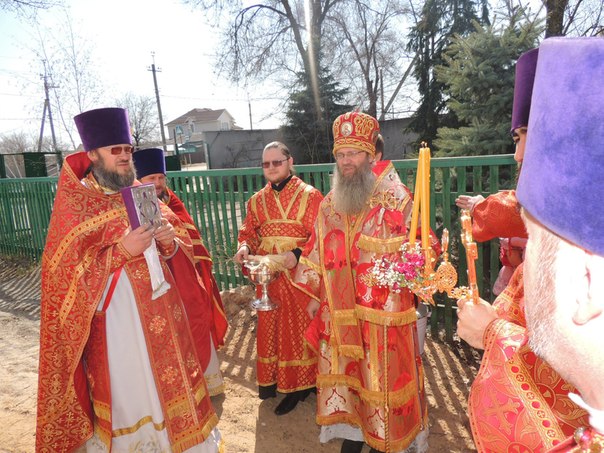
x=123, y=34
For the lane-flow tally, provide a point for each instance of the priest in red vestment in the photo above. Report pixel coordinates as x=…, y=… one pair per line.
x=560, y=190
x=517, y=401
x=197, y=283
x=118, y=366
x=280, y=218
x=370, y=386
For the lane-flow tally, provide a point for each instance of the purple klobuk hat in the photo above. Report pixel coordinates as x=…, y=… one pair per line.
x=561, y=179
x=103, y=127
x=523, y=88
x=149, y=162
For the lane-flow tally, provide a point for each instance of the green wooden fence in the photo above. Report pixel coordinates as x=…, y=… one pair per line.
x=216, y=199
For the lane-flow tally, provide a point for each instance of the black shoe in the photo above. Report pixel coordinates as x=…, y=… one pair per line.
x=267, y=391
x=305, y=393
x=352, y=446
x=288, y=403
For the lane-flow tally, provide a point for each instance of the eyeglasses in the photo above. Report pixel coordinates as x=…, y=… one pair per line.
x=275, y=163
x=117, y=150
x=350, y=155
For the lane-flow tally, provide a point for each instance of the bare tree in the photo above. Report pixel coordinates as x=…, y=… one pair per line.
x=370, y=36
x=16, y=142
x=562, y=17
x=67, y=61
x=583, y=18
x=144, y=122
x=271, y=38
x=270, y=35
x=27, y=8
x=21, y=142
x=362, y=40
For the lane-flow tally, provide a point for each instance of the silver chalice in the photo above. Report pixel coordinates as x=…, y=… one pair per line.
x=260, y=274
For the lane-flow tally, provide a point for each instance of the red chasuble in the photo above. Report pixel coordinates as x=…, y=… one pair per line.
x=370, y=370
x=277, y=222
x=518, y=403
x=81, y=253
x=205, y=307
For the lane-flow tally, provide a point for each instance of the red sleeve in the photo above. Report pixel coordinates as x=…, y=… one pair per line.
x=498, y=216
x=248, y=233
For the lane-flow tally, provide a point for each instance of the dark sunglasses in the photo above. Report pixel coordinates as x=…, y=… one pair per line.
x=275, y=163
x=116, y=150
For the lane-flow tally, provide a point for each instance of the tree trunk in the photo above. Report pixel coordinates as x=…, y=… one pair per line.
x=554, y=24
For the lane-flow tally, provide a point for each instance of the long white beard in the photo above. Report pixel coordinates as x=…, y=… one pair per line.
x=351, y=193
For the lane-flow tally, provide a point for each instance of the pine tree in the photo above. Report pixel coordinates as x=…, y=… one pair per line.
x=305, y=129
x=478, y=76
x=440, y=21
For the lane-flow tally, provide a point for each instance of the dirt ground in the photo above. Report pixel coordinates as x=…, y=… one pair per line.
x=247, y=424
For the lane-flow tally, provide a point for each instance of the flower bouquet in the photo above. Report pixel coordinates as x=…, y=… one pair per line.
x=412, y=267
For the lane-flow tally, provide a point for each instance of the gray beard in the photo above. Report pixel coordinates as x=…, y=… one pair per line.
x=351, y=193
x=164, y=196
x=540, y=290
x=112, y=180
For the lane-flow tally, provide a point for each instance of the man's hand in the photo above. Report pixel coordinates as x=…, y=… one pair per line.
x=290, y=260
x=467, y=202
x=241, y=254
x=472, y=321
x=312, y=308
x=165, y=234
x=139, y=240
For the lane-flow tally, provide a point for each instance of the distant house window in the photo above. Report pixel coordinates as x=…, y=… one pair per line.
x=192, y=128
x=224, y=126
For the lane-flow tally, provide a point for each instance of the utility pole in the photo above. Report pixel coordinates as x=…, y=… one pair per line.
x=382, y=90
x=161, y=119
x=47, y=107
x=249, y=106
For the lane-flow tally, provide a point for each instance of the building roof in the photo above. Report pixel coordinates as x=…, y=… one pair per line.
x=199, y=116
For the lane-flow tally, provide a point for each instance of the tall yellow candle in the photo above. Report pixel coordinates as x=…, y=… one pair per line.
x=417, y=198
x=425, y=226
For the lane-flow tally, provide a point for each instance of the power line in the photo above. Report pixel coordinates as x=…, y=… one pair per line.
x=18, y=95
x=245, y=99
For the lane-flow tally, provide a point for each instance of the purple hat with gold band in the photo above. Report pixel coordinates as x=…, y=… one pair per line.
x=561, y=179
x=103, y=127
x=523, y=88
x=355, y=130
x=149, y=162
